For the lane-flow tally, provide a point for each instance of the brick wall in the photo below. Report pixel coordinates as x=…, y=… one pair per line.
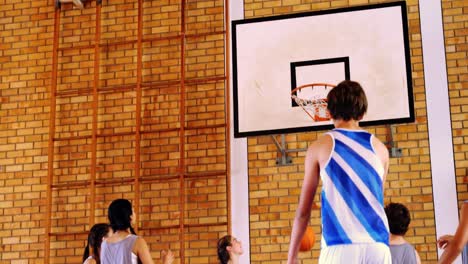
x=26, y=35
x=26, y=51
x=455, y=16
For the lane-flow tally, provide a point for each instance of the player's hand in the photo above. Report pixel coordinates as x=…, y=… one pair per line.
x=167, y=257
x=444, y=241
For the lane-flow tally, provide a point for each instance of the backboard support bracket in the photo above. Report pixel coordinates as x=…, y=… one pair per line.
x=284, y=159
x=393, y=151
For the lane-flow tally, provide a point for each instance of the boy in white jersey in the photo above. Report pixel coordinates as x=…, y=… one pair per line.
x=352, y=164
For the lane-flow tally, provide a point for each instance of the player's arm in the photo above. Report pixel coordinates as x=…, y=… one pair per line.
x=418, y=258
x=309, y=187
x=459, y=240
x=141, y=249
x=382, y=151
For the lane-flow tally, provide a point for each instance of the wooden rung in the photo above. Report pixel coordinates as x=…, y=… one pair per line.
x=205, y=79
x=206, y=224
x=68, y=233
x=210, y=174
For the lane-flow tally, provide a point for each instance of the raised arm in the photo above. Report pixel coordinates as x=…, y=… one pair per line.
x=455, y=245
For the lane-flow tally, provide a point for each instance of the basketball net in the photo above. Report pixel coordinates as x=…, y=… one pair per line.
x=313, y=103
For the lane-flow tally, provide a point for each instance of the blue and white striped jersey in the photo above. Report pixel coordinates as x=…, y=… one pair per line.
x=352, y=191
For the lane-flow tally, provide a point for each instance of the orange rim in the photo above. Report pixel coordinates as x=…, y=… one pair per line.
x=312, y=85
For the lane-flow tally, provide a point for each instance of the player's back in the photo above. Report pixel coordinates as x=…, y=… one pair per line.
x=352, y=191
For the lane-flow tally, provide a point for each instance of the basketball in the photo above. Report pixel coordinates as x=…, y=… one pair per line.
x=308, y=240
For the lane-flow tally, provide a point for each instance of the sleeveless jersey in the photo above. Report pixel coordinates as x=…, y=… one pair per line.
x=352, y=191
x=119, y=252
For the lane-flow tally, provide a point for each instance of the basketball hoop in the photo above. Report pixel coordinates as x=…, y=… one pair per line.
x=312, y=98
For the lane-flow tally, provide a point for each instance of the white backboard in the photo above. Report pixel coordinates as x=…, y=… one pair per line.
x=273, y=55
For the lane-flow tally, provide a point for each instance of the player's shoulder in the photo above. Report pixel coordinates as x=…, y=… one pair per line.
x=377, y=142
x=321, y=147
x=379, y=146
x=323, y=140
x=90, y=260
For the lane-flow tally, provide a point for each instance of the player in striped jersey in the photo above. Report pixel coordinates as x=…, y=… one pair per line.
x=352, y=164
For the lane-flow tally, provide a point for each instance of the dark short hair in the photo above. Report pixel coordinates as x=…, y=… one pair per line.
x=119, y=214
x=347, y=101
x=398, y=218
x=95, y=236
x=223, y=254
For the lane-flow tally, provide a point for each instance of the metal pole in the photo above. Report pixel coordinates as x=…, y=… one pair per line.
x=227, y=104
x=138, y=114
x=97, y=38
x=182, y=136
x=52, y=115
